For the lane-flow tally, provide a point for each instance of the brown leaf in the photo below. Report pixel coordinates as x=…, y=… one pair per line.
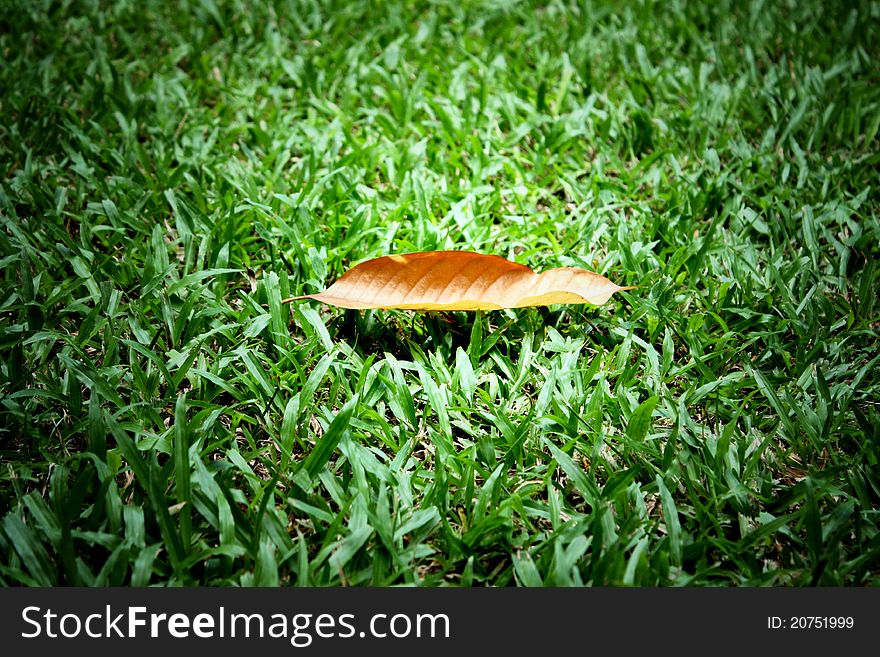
x=460, y=280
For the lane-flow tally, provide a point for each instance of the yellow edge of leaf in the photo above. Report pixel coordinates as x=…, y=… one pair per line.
x=546, y=299
x=559, y=297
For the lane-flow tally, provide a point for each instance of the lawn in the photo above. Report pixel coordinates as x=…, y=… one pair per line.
x=170, y=172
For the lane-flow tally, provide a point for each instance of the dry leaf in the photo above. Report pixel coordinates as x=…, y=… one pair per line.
x=460, y=280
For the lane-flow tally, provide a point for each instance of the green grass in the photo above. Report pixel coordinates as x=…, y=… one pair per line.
x=169, y=173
